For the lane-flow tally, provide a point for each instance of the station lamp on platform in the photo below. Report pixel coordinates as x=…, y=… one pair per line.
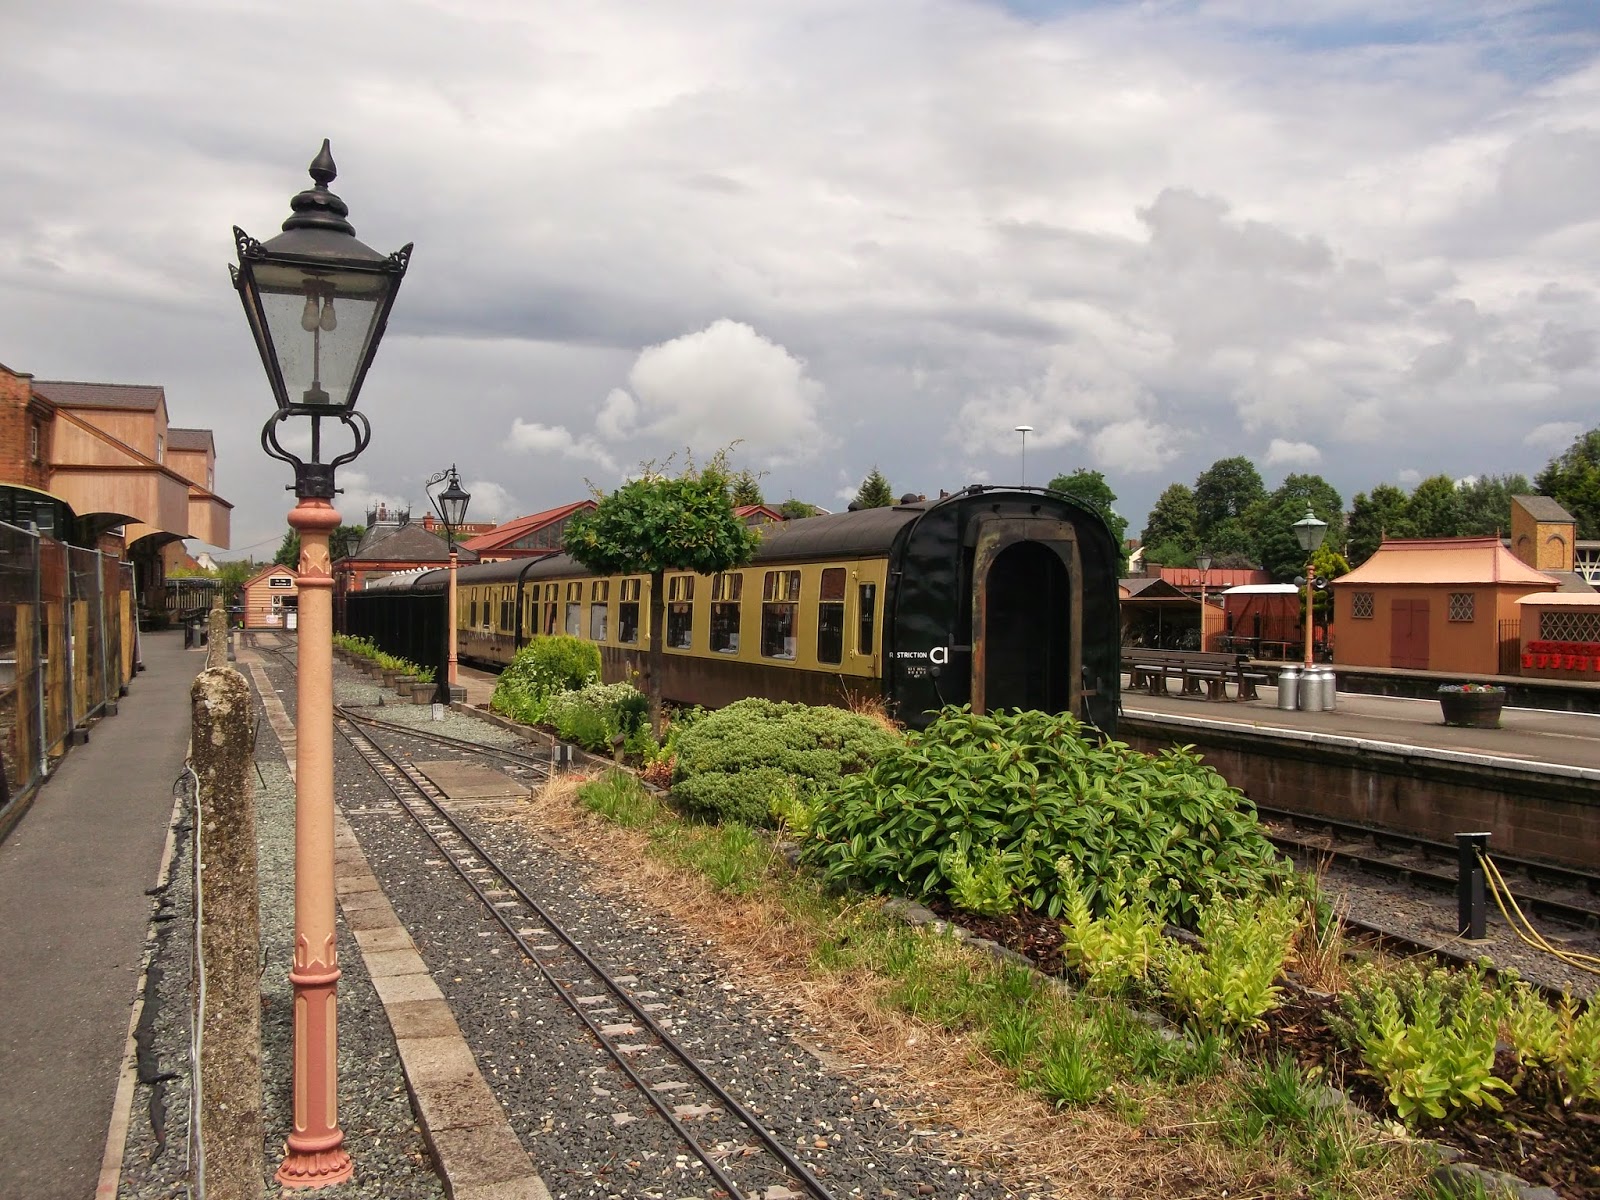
x=1024, y=430
x=317, y=301
x=451, y=505
x=1203, y=561
x=1308, y=531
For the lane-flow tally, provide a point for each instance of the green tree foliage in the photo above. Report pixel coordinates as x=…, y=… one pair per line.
x=1486, y=503
x=1572, y=479
x=1374, y=516
x=288, y=554
x=1173, y=519
x=1091, y=486
x=745, y=488
x=655, y=524
x=233, y=575
x=1277, y=548
x=794, y=510
x=1434, y=510
x=874, y=491
x=1224, y=493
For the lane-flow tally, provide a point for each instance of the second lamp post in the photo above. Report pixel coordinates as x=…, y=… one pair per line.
x=452, y=506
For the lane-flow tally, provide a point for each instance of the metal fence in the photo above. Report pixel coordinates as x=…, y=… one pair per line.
x=1511, y=647
x=67, y=646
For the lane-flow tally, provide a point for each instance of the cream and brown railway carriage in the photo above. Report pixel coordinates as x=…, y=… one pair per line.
x=994, y=597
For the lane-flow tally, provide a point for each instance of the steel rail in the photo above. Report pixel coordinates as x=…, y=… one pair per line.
x=798, y=1170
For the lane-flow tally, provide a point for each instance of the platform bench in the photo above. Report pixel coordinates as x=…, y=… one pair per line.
x=1196, y=669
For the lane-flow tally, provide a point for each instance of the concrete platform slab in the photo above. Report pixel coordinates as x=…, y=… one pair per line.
x=470, y=781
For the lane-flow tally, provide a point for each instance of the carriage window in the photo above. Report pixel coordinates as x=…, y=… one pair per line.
x=550, y=608
x=599, y=595
x=507, y=621
x=830, y=617
x=472, y=618
x=628, y=611
x=680, y=611
x=780, y=603
x=866, y=599
x=726, y=592
x=574, y=620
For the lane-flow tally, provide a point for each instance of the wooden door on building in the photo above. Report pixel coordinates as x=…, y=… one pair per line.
x=1408, y=634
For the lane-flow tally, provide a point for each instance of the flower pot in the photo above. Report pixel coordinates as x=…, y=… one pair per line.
x=404, y=684
x=1473, y=710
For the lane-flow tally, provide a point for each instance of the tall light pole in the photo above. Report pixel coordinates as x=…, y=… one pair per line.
x=451, y=505
x=1024, y=430
x=1203, y=561
x=1308, y=531
x=316, y=357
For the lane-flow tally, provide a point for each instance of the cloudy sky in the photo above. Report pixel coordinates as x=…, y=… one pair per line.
x=1355, y=237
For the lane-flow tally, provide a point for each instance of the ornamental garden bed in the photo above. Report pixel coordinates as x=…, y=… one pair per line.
x=1472, y=706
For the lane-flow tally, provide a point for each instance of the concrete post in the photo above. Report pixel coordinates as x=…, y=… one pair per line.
x=228, y=942
x=217, y=637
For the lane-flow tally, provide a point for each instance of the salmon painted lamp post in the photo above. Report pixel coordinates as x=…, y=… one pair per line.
x=1308, y=531
x=452, y=506
x=1203, y=561
x=317, y=301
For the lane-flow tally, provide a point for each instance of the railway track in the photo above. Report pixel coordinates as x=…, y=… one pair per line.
x=619, y=1019
x=1557, y=893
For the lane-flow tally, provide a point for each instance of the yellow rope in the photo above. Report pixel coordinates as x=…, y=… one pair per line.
x=1502, y=896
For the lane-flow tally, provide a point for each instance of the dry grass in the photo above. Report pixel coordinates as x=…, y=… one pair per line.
x=926, y=1074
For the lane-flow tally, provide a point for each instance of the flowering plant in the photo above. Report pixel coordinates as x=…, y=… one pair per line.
x=1470, y=687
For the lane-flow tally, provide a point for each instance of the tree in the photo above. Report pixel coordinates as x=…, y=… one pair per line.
x=233, y=576
x=1572, y=479
x=794, y=510
x=1434, y=510
x=1374, y=517
x=1225, y=491
x=1273, y=519
x=1486, y=503
x=1172, y=520
x=655, y=524
x=746, y=489
x=874, y=491
x=288, y=554
x=1092, y=488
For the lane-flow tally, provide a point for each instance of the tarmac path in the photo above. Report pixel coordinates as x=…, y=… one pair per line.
x=73, y=921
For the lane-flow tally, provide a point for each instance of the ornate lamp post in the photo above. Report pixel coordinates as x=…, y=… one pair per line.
x=1024, y=430
x=317, y=301
x=1203, y=561
x=1308, y=531
x=451, y=505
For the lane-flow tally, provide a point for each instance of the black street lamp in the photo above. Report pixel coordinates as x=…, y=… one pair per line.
x=451, y=505
x=317, y=301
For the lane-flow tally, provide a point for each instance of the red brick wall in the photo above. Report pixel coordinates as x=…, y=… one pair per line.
x=16, y=420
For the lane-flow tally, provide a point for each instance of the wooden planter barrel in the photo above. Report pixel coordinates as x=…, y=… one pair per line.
x=1474, y=710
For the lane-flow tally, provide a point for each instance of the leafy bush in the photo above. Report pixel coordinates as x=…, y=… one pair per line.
x=1033, y=789
x=1427, y=1036
x=735, y=763
x=1113, y=951
x=1229, y=983
x=1557, y=1049
x=541, y=669
x=596, y=713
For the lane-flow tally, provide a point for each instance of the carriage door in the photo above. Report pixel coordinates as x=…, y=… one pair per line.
x=1027, y=623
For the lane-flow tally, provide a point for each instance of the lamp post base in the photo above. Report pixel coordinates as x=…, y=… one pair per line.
x=315, y=1168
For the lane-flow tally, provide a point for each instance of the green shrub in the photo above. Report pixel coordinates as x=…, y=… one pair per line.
x=1229, y=983
x=541, y=669
x=1034, y=790
x=1557, y=1049
x=747, y=742
x=596, y=713
x=1113, y=951
x=1427, y=1036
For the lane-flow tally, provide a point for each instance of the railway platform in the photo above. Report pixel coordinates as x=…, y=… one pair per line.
x=74, y=876
x=1530, y=738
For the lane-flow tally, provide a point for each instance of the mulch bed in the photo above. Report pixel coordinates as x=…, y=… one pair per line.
x=1533, y=1139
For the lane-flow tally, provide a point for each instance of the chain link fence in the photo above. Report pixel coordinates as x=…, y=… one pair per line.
x=66, y=649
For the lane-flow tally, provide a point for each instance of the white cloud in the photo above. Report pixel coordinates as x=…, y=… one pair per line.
x=1281, y=453
x=723, y=384
x=556, y=439
x=1553, y=437
x=617, y=416
x=1135, y=447
x=491, y=502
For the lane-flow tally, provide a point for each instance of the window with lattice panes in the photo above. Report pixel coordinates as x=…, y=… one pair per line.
x=1569, y=626
x=1461, y=605
x=1362, y=606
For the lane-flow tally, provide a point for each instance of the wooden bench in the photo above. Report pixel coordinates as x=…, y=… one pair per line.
x=1196, y=669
